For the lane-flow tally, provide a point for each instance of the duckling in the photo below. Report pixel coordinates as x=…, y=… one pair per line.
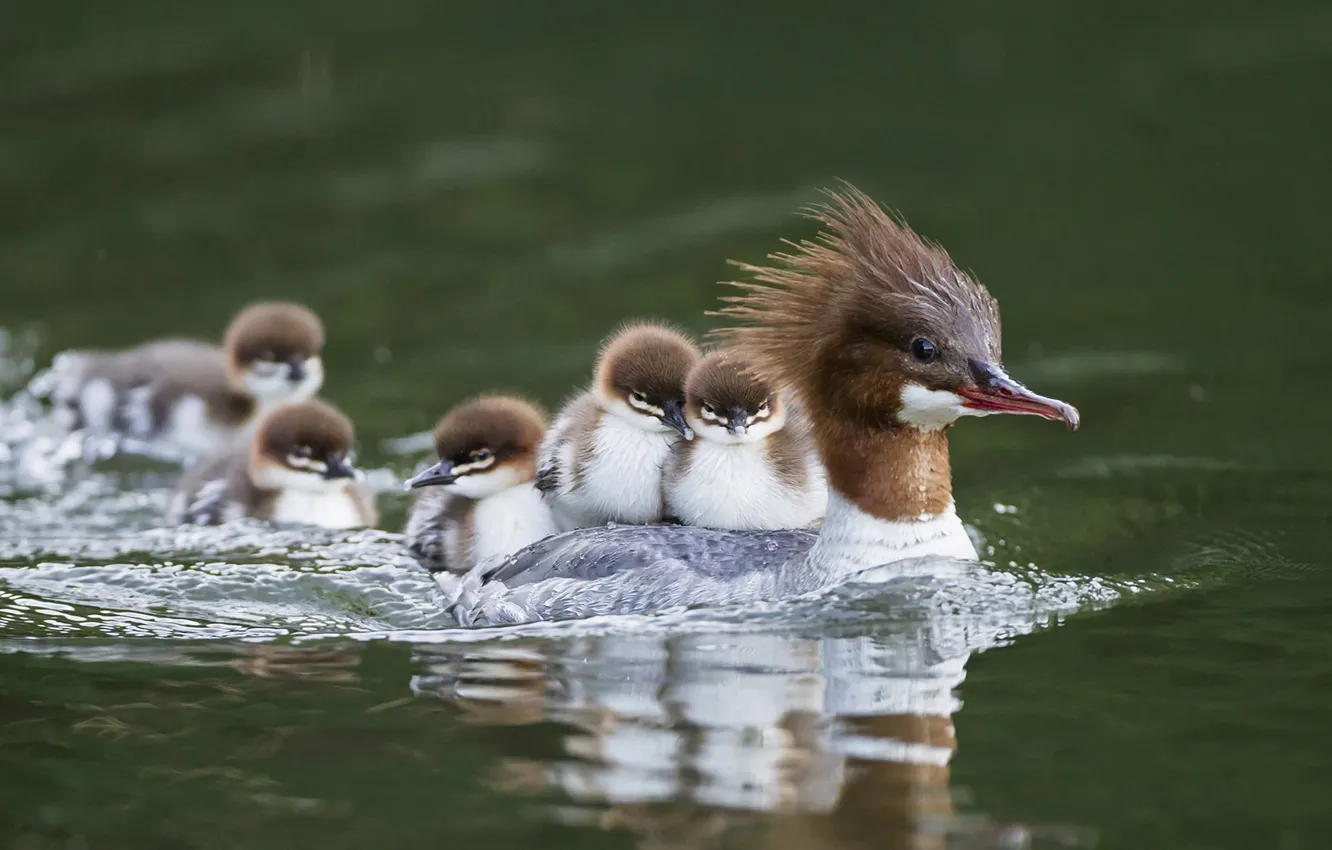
x=481, y=502
x=753, y=466
x=602, y=460
x=192, y=397
x=294, y=470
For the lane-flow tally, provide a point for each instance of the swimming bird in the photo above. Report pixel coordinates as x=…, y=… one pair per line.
x=886, y=343
x=192, y=397
x=602, y=459
x=295, y=470
x=480, y=501
x=752, y=464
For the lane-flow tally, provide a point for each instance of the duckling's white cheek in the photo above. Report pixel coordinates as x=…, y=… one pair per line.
x=267, y=386
x=271, y=476
x=271, y=383
x=313, y=380
x=479, y=485
x=701, y=427
x=930, y=410
x=622, y=410
x=762, y=429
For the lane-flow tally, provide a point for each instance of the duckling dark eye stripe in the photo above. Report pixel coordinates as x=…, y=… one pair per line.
x=473, y=466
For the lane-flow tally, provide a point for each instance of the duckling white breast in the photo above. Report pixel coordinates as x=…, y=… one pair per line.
x=508, y=521
x=330, y=508
x=621, y=480
x=736, y=487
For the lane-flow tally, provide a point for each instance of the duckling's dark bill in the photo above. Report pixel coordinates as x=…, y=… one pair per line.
x=439, y=474
x=737, y=422
x=673, y=415
x=338, y=468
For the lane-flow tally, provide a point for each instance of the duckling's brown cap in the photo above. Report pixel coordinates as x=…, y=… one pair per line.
x=506, y=425
x=310, y=423
x=281, y=330
x=648, y=358
x=725, y=379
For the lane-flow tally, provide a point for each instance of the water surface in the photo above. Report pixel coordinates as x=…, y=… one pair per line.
x=472, y=197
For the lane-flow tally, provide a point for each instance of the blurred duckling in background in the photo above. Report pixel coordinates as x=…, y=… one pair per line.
x=480, y=501
x=753, y=465
x=191, y=397
x=602, y=460
x=294, y=470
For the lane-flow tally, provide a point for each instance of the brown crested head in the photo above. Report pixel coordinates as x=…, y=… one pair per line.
x=723, y=389
x=308, y=436
x=643, y=369
x=875, y=326
x=273, y=332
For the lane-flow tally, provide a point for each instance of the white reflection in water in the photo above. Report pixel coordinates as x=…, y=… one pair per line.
x=700, y=739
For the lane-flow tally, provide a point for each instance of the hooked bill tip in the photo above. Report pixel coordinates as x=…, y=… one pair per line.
x=1071, y=417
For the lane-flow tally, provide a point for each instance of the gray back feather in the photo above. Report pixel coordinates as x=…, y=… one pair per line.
x=636, y=570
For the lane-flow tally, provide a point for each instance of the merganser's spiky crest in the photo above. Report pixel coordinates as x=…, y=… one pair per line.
x=886, y=343
x=866, y=275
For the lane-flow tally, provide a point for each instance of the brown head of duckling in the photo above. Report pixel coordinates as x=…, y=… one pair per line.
x=274, y=351
x=641, y=375
x=484, y=446
x=727, y=401
x=302, y=444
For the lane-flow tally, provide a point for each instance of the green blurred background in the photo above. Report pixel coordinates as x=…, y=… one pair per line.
x=472, y=196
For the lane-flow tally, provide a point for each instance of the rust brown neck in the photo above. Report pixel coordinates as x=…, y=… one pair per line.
x=899, y=473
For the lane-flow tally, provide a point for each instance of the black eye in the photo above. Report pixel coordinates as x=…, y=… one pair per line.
x=638, y=397
x=923, y=350
x=481, y=456
x=762, y=408
x=303, y=451
x=707, y=408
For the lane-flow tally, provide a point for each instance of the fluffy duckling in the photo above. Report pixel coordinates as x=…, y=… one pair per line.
x=753, y=466
x=480, y=501
x=294, y=470
x=602, y=460
x=192, y=397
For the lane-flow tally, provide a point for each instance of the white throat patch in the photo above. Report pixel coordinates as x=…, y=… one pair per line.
x=930, y=410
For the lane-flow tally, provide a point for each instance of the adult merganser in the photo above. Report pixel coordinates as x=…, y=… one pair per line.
x=294, y=470
x=192, y=397
x=480, y=501
x=885, y=343
x=752, y=466
x=602, y=459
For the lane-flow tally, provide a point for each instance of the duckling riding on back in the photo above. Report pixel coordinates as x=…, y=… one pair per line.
x=480, y=501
